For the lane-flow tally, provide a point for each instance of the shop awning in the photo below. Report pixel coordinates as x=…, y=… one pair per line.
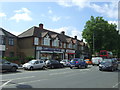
x=71, y=53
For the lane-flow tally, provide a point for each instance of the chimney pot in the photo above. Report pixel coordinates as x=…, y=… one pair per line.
x=63, y=32
x=75, y=37
x=41, y=26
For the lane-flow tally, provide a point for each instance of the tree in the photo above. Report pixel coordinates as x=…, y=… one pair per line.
x=100, y=35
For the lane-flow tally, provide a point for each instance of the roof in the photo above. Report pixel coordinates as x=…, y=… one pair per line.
x=6, y=33
x=36, y=31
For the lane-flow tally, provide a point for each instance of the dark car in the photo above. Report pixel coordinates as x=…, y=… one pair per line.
x=78, y=62
x=108, y=64
x=7, y=66
x=54, y=64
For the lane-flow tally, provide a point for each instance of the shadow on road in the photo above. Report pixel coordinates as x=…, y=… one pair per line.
x=23, y=86
x=8, y=72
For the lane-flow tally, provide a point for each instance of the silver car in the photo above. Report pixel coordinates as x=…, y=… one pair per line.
x=34, y=64
x=7, y=66
x=65, y=62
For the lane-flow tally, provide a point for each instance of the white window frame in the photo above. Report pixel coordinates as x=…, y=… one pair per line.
x=46, y=41
x=64, y=45
x=36, y=41
x=55, y=42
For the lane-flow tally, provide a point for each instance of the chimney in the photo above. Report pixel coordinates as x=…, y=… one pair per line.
x=75, y=37
x=41, y=26
x=63, y=32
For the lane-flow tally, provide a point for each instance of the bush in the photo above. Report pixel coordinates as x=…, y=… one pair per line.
x=28, y=58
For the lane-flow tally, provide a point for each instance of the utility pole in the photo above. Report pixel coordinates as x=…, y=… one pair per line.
x=93, y=43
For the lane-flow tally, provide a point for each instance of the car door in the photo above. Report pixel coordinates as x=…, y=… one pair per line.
x=6, y=65
x=41, y=64
x=37, y=64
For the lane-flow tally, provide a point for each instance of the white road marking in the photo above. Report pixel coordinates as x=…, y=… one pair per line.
x=28, y=82
x=18, y=78
x=5, y=83
x=116, y=85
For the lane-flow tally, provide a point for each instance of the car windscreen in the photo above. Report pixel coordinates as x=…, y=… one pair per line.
x=32, y=62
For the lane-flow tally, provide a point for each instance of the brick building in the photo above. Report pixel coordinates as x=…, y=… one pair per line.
x=8, y=44
x=45, y=44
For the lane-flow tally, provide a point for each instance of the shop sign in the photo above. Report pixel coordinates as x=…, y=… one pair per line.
x=70, y=51
x=48, y=49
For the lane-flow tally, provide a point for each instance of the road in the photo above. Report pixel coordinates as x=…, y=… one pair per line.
x=61, y=78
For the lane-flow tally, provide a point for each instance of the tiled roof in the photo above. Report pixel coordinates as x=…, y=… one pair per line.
x=6, y=33
x=36, y=31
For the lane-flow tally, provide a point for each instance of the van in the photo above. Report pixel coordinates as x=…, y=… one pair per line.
x=96, y=60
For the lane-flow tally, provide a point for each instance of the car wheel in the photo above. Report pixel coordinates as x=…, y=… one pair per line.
x=86, y=66
x=62, y=66
x=79, y=66
x=13, y=69
x=52, y=66
x=100, y=69
x=112, y=69
x=93, y=64
x=71, y=67
x=43, y=67
x=31, y=68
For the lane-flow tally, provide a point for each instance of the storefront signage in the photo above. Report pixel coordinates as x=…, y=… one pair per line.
x=48, y=49
x=70, y=51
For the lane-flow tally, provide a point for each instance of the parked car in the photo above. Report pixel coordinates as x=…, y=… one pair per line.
x=54, y=64
x=78, y=62
x=96, y=60
x=34, y=64
x=88, y=61
x=8, y=66
x=108, y=64
x=65, y=62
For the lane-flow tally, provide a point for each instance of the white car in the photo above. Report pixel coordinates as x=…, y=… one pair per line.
x=65, y=62
x=34, y=64
x=96, y=60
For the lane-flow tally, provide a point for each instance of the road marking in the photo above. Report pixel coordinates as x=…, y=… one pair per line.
x=18, y=78
x=27, y=82
x=116, y=85
x=5, y=83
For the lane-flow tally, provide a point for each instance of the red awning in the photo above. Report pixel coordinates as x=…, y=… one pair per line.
x=71, y=53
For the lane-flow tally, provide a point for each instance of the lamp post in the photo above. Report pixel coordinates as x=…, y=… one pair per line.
x=93, y=43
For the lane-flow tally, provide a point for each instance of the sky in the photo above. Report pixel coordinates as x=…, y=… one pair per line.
x=58, y=15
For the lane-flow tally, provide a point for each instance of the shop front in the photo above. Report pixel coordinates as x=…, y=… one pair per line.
x=49, y=53
x=70, y=54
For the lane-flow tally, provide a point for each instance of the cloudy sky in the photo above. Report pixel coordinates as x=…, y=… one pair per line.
x=58, y=15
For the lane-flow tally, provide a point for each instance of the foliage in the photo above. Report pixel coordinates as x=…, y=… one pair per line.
x=104, y=35
x=28, y=58
x=11, y=59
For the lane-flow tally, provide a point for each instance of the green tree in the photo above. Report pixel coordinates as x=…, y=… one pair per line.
x=100, y=35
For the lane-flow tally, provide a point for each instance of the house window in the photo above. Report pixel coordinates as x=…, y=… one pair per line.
x=36, y=41
x=55, y=42
x=11, y=41
x=46, y=41
x=64, y=45
x=60, y=44
x=2, y=40
x=73, y=46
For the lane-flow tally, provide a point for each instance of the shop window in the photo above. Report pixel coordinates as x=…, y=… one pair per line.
x=11, y=41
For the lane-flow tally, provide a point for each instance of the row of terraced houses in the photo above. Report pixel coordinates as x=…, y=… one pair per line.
x=41, y=44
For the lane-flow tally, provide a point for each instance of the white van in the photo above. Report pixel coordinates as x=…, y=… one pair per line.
x=96, y=60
